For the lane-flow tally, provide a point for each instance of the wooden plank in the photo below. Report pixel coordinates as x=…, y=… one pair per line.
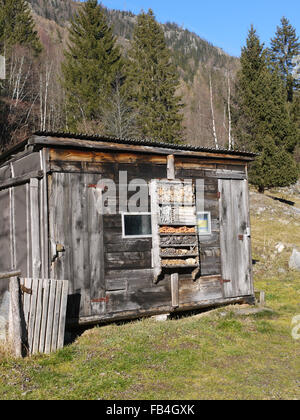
x=63, y=311
x=128, y=260
x=10, y=274
x=27, y=164
x=27, y=282
x=46, y=288
x=171, y=167
x=44, y=158
x=50, y=317
x=175, y=289
x=80, y=239
x=156, y=261
x=244, y=285
x=13, y=182
x=56, y=315
x=250, y=267
x=5, y=250
x=35, y=228
x=5, y=173
x=143, y=299
x=95, y=242
x=15, y=324
x=227, y=233
x=32, y=314
x=205, y=289
x=28, y=233
x=60, y=208
x=38, y=317
x=12, y=229
x=20, y=230
x=63, y=155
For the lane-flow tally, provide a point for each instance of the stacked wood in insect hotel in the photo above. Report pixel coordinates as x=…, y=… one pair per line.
x=188, y=247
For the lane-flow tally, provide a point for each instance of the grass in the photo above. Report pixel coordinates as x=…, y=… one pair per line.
x=219, y=355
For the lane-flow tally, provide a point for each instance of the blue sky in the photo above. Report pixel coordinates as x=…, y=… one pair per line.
x=224, y=23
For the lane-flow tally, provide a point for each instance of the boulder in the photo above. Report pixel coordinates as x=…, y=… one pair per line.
x=280, y=247
x=295, y=260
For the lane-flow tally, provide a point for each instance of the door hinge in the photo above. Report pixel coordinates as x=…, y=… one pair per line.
x=218, y=195
x=241, y=237
x=25, y=290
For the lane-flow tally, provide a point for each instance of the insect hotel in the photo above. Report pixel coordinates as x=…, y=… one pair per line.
x=137, y=228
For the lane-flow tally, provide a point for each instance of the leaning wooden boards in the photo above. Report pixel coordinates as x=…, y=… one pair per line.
x=45, y=306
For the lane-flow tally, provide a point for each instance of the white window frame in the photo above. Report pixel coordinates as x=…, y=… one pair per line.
x=209, y=223
x=124, y=236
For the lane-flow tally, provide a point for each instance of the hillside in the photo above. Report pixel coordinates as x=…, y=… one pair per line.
x=195, y=59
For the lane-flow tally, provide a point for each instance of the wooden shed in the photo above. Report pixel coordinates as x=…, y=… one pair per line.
x=70, y=210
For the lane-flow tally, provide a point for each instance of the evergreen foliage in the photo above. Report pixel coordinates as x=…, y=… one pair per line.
x=17, y=26
x=153, y=82
x=261, y=119
x=92, y=64
x=285, y=46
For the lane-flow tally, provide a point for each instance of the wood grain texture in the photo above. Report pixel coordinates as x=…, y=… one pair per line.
x=234, y=219
x=45, y=314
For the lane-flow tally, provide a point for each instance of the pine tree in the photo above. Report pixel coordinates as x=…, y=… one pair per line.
x=285, y=46
x=153, y=82
x=92, y=64
x=274, y=167
x=17, y=26
x=261, y=119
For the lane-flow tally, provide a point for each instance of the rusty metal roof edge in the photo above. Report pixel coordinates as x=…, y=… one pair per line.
x=136, y=142
x=118, y=141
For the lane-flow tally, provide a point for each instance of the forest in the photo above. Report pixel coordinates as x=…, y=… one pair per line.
x=80, y=67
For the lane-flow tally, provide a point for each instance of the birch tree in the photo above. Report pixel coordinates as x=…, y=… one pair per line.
x=213, y=114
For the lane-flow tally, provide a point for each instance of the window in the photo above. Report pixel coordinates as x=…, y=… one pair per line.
x=204, y=223
x=136, y=225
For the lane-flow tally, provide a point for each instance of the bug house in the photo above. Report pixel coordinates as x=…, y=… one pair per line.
x=137, y=228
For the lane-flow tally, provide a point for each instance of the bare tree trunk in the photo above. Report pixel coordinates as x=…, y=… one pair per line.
x=213, y=114
x=230, y=139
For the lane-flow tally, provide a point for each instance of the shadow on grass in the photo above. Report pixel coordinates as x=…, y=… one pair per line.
x=282, y=200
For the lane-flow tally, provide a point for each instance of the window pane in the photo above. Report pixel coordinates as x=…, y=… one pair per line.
x=137, y=225
x=204, y=223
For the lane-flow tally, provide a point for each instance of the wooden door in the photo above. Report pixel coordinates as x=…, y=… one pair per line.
x=236, y=260
x=76, y=239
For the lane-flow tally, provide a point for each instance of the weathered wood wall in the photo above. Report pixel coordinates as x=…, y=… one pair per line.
x=51, y=228
x=123, y=281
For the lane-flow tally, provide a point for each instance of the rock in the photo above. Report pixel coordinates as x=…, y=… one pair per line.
x=280, y=247
x=253, y=311
x=294, y=263
x=161, y=318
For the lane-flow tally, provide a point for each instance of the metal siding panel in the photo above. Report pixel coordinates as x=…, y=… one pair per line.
x=21, y=236
x=5, y=257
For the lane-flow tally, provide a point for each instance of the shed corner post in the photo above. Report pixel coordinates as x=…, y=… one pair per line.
x=15, y=325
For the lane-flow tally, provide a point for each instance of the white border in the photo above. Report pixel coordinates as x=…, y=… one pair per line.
x=123, y=225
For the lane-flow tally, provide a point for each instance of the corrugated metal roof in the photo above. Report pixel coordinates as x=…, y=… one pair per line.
x=137, y=142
